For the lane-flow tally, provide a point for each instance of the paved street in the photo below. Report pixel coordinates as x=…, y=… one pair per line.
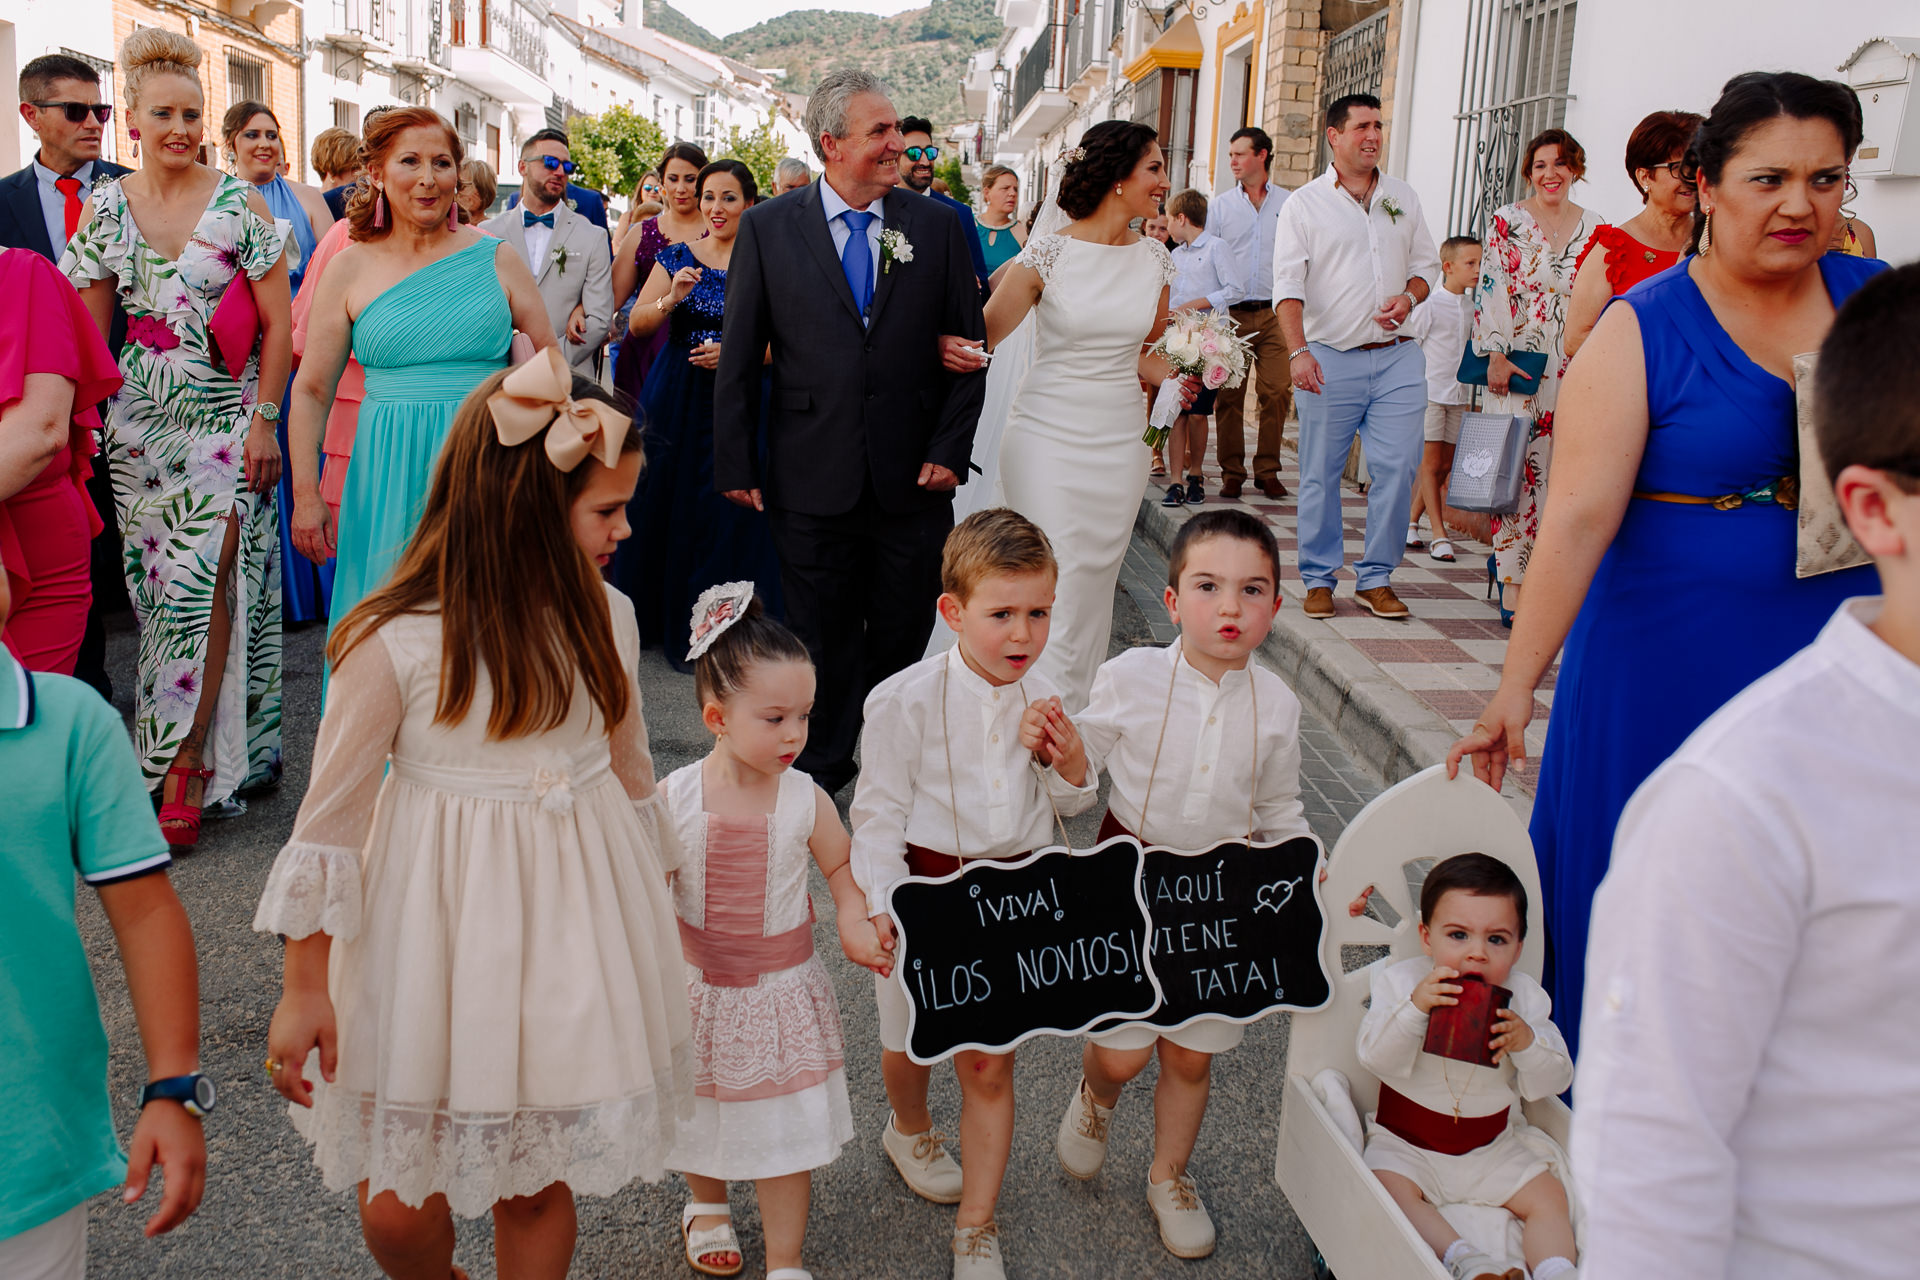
x=267, y=1215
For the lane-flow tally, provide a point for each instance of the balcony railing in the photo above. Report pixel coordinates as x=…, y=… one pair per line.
x=507, y=27
x=1116, y=19
x=1087, y=38
x=1036, y=70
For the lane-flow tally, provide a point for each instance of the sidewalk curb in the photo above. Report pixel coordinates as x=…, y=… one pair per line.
x=1382, y=725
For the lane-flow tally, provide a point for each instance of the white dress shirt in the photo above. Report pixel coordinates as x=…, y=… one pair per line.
x=1441, y=325
x=539, y=238
x=1248, y=233
x=1393, y=1035
x=916, y=721
x=834, y=206
x=1203, y=268
x=53, y=202
x=1342, y=259
x=1749, y=1085
x=1204, y=786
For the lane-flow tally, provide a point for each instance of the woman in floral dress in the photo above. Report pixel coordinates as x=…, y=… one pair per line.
x=192, y=451
x=1532, y=249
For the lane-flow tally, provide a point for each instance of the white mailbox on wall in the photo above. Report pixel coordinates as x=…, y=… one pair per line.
x=1882, y=71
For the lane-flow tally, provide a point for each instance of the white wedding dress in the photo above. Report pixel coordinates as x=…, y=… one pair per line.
x=1072, y=459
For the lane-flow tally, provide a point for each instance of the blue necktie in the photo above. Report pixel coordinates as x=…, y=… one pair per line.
x=857, y=259
x=544, y=219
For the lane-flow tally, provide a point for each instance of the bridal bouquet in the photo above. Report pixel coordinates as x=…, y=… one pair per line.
x=1204, y=344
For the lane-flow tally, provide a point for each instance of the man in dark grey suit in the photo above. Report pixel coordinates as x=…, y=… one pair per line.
x=851, y=283
x=40, y=210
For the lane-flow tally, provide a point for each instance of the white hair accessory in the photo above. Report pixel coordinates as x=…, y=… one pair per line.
x=718, y=608
x=1075, y=156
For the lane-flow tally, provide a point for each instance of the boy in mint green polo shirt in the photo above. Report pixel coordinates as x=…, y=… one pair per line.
x=76, y=801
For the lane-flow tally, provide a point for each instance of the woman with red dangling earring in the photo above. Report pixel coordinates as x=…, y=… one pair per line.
x=428, y=307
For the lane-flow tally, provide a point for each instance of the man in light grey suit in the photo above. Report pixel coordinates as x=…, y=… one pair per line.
x=569, y=256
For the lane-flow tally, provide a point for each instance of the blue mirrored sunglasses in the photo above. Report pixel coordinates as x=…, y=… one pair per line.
x=555, y=162
x=917, y=154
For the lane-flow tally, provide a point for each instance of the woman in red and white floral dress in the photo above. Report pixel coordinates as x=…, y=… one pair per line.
x=1526, y=279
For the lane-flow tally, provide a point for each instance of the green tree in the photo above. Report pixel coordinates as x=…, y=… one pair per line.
x=760, y=151
x=948, y=171
x=614, y=148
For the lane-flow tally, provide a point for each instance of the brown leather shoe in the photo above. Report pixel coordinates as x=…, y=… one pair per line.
x=1319, y=602
x=1232, y=488
x=1383, y=603
x=1273, y=488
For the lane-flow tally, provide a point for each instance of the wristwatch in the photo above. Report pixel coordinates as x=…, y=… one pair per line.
x=194, y=1092
x=1408, y=295
x=268, y=410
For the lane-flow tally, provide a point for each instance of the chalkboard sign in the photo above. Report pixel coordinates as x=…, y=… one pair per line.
x=1237, y=930
x=1001, y=951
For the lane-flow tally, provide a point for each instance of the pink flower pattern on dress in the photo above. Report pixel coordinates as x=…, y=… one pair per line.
x=152, y=332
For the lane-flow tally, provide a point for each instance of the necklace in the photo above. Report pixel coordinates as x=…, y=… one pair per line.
x=1446, y=1074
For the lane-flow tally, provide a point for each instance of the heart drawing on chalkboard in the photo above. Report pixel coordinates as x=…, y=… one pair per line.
x=1272, y=897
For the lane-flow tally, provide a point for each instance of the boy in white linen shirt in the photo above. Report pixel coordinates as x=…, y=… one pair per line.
x=1749, y=1080
x=1205, y=279
x=948, y=756
x=1180, y=731
x=1442, y=324
x=1450, y=1132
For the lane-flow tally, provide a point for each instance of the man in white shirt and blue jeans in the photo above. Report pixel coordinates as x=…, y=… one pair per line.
x=1351, y=259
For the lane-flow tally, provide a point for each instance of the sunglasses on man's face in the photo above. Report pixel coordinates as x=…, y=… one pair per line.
x=77, y=112
x=555, y=162
x=917, y=154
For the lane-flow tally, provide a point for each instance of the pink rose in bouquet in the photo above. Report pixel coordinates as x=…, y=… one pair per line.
x=1216, y=375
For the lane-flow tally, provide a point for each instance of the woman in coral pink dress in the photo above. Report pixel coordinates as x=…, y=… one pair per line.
x=54, y=370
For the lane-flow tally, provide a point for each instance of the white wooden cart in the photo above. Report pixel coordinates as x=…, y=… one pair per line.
x=1354, y=1224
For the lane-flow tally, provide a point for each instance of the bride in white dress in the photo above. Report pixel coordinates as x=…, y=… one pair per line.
x=1072, y=459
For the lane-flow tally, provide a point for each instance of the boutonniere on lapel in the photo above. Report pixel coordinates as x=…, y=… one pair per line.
x=1393, y=209
x=894, y=247
x=559, y=256
x=573, y=204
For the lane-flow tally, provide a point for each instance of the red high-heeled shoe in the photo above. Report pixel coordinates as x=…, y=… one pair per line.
x=177, y=811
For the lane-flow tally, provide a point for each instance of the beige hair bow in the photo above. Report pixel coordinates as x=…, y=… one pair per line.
x=537, y=396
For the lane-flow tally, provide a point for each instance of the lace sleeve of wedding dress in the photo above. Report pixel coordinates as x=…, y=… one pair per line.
x=1163, y=260
x=1042, y=254
x=314, y=886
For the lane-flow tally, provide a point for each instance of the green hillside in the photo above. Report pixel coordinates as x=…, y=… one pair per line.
x=921, y=53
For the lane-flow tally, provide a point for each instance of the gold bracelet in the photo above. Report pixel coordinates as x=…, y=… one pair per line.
x=660, y=303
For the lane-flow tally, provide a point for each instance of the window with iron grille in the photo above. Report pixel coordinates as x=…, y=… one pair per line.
x=246, y=77
x=346, y=115
x=1165, y=100
x=1354, y=62
x=1514, y=83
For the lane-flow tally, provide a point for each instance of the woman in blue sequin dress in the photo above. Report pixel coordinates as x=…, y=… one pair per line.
x=686, y=536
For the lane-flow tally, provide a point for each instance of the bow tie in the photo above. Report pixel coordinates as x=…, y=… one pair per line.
x=544, y=219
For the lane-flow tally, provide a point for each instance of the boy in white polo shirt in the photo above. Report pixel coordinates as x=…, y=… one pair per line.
x=1442, y=325
x=1181, y=732
x=1749, y=1080
x=76, y=802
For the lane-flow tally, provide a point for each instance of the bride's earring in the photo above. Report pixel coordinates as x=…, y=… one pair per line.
x=1119, y=190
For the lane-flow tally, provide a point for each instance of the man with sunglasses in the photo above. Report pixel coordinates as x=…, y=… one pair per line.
x=570, y=257
x=916, y=174
x=40, y=210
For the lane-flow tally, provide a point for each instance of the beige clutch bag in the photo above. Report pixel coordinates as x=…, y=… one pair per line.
x=1824, y=544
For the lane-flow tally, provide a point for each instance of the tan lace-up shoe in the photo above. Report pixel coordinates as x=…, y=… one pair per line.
x=923, y=1162
x=1383, y=603
x=1185, y=1227
x=1082, y=1142
x=1319, y=603
x=976, y=1253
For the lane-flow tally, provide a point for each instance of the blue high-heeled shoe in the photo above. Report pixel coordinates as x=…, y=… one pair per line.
x=1494, y=584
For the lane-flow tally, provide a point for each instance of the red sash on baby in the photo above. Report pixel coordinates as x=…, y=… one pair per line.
x=1436, y=1130
x=731, y=950
x=931, y=863
x=1110, y=827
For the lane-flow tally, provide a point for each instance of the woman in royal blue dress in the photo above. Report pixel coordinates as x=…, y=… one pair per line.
x=1670, y=602
x=686, y=536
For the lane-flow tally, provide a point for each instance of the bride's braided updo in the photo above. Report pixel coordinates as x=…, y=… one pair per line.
x=1109, y=152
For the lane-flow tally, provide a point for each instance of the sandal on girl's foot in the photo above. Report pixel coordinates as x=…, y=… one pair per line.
x=1441, y=550
x=711, y=1242
x=1176, y=496
x=976, y=1253
x=179, y=817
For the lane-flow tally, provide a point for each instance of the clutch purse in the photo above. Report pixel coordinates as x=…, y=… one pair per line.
x=1462, y=1031
x=1532, y=366
x=234, y=328
x=1823, y=544
x=1489, y=463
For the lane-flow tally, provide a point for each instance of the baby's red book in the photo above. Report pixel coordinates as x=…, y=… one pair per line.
x=1461, y=1031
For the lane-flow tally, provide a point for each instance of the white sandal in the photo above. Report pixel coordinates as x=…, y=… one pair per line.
x=710, y=1240
x=1441, y=550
